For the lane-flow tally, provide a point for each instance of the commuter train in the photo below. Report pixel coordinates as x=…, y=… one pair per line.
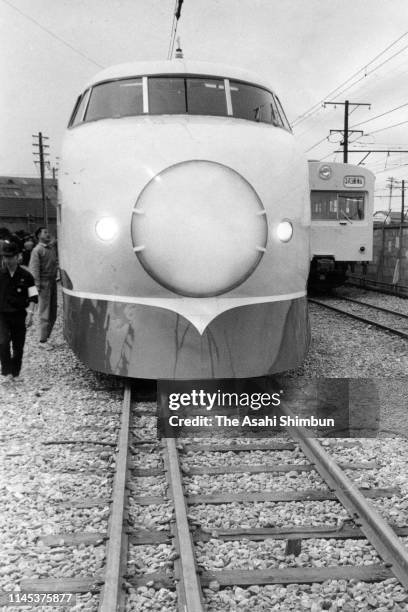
x=342, y=202
x=183, y=223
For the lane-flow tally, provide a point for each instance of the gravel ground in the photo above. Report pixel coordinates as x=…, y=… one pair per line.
x=245, y=482
x=57, y=399
x=215, y=554
x=373, y=297
x=267, y=514
x=60, y=399
x=333, y=595
x=342, y=347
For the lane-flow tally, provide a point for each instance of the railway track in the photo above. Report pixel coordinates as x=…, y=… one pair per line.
x=379, y=286
x=182, y=573
x=389, y=320
x=190, y=581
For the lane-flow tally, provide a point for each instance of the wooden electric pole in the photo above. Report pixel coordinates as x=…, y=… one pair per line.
x=345, y=131
x=42, y=154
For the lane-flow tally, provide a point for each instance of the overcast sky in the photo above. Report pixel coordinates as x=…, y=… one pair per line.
x=305, y=48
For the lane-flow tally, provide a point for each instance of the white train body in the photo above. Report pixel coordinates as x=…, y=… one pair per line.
x=342, y=202
x=171, y=262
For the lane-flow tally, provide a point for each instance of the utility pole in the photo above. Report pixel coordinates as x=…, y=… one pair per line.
x=42, y=154
x=402, y=200
x=346, y=130
x=390, y=180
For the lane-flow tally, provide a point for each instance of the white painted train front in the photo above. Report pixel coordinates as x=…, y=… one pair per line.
x=342, y=202
x=184, y=222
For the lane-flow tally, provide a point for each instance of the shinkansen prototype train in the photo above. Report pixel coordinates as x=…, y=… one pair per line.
x=342, y=201
x=184, y=221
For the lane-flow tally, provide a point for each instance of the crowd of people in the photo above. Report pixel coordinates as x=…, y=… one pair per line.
x=28, y=281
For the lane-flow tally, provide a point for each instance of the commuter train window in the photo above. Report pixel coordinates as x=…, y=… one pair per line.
x=167, y=96
x=351, y=206
x=253, y=103
x=337, y=206
x=115, y=99
x=206, y=97
x=78, y=112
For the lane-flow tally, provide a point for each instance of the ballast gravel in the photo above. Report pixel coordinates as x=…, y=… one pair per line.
x=153, y=517
x=268, y=514
x=145, y=559
x=198, y=459
x=148, y=598
x=392, y=302
x=60, y=400
x=332, y=595
x=245, y=482
x=244, y=554
x=342, y=347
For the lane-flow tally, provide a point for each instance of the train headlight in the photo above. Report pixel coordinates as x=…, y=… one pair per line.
x=199, y=228
x=284, y=231
x=106, y=228
x=325, y=172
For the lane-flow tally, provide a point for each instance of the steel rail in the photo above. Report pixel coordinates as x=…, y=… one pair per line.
x=397, y=332
x=111, y=593
x=375, y=528
x=380, y=308
x=191, y=587
x=378, y=286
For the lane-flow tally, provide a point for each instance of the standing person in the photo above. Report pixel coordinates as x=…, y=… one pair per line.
x=17, y=291
x=43, y=267
x=27, y=248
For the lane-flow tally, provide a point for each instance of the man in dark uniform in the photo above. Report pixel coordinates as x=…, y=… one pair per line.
x=17, y=292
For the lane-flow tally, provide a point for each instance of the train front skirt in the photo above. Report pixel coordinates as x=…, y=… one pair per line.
x=141, y=341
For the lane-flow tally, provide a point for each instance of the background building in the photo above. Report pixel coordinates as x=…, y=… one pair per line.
x=21, y=206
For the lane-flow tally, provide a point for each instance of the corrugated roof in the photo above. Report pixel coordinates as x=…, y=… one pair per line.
x=26, y=187
x=20, y=208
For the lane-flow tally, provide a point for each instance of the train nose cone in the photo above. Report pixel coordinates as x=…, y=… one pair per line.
x=199, y=228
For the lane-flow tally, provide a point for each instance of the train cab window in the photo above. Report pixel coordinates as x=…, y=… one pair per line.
x=351, y=206
x=78, y=113
x=282, y=115
x=337, y=206
x=167, y=96
x=115, y=99
x=206, y=97
x=194, y=96
x=253, y=103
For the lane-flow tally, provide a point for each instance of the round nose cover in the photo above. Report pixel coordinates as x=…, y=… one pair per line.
x=199, y=228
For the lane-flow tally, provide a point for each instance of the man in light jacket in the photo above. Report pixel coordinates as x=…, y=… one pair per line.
x=43, y=267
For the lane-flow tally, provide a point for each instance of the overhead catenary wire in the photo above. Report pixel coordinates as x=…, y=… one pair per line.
x=368, y=133
x=367, y=73
x=381, y=115
x=317, y=106
x=388, y=127
x=61, y=40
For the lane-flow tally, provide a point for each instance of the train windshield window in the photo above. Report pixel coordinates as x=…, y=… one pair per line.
x=79, y=109
x=335, y=206
x=167, y=96
x=115, y=99
x=253, y=103
x=195, y=96
x=206, y=97
x=282, y=114
x=351, y=206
